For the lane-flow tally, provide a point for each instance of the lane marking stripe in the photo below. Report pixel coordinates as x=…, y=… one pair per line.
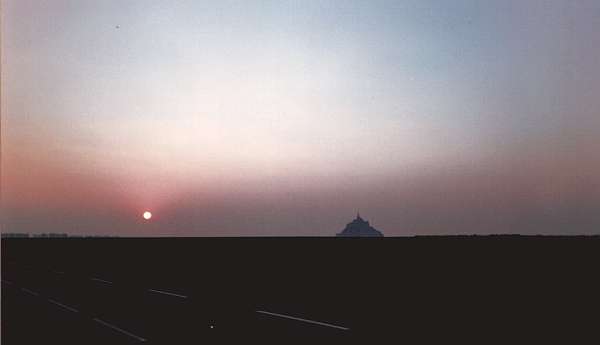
x=119, y=329
x=30, y=292
x=167, y=293
x=303, y=320
x=62, y=305
x=101, y=280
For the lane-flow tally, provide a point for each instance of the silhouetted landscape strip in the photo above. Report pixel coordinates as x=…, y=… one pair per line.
x=303, y=320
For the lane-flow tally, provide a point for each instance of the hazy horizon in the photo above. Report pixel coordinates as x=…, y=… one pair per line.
x=283, y=118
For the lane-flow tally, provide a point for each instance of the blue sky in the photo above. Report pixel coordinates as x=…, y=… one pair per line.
x=431, y=116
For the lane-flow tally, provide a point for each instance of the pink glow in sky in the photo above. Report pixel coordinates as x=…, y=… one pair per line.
x=284, y=118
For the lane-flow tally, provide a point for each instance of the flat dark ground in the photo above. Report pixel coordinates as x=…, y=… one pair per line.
x=508, y=289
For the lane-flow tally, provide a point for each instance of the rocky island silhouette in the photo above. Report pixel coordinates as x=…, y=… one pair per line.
x=359, y=228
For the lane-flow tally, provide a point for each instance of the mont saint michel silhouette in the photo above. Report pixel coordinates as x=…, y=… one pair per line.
x=359, y=228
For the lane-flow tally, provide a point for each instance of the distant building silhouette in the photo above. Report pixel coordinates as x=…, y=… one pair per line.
x=14, y=235
x=359, y=228
x=50, y=235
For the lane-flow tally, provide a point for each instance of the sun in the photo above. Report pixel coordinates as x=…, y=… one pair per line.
x=147, y=215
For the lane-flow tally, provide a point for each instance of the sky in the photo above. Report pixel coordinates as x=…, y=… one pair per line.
x=283, y=118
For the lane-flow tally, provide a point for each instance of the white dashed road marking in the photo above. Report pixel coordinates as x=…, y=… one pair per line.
x=33, y=293
x=101, y=280
x=119, y=329
x=167, y=293
x=303, y=320
x=63, y=306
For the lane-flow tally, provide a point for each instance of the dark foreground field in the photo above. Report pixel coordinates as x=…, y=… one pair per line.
x=440, y=290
